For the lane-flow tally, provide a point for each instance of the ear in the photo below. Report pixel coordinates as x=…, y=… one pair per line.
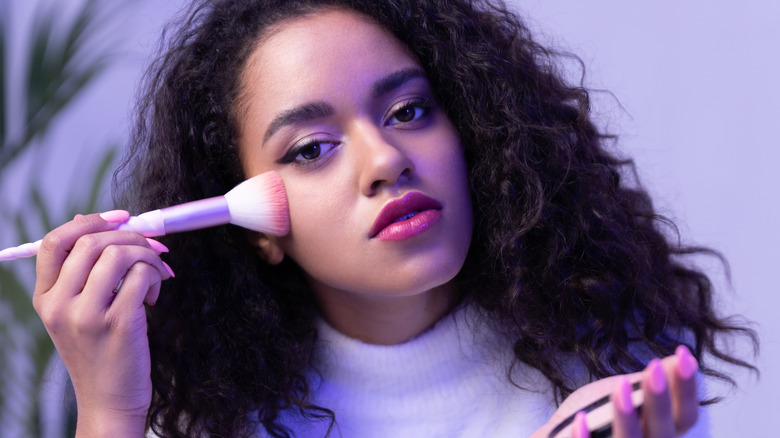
x=270, y=251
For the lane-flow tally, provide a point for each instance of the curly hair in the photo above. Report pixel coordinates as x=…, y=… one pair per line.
x=568, y=259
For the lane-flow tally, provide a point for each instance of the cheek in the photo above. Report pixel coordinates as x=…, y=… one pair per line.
x=458, y=179
x=446, y=166
x=318, y=219
x=455, y=175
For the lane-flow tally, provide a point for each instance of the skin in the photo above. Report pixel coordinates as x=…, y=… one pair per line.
x=669, y=413
x=374, y=148
x=378, y=292
x=101, y=336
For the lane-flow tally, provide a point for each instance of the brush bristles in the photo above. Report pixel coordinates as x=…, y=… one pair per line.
x=260, y=204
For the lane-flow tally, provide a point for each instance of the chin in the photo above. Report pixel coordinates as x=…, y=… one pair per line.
x=424, y=279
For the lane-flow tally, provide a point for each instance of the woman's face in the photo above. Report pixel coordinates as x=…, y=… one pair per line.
x=373, y=168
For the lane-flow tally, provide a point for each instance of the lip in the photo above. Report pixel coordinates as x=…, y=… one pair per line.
x=385, y=226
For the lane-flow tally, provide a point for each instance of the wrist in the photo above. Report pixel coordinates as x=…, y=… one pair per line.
x=113, y=424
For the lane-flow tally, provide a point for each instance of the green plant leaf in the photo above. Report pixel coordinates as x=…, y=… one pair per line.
x=42, y=353
x=61, y=65
x=64, y=65
x=39, y=72
x=16, y=295
x=101, y=174
x=3, y=53
x=86, y=20
x=21, y=225
x=40, y=207
x=63, y=59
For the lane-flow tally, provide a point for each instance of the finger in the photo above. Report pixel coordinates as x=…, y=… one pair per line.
x=683, y=390
x=657, y=420
x=57, y=244
x=114, y=265
x=157, y=246
x=625, y=422
x=134, y=283
x=579, y=427
x=141, y=285
x=90, y=248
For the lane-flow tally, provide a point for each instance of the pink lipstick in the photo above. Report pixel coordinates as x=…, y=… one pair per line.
x=406, y=217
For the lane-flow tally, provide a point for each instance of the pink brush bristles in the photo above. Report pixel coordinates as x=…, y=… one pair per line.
x=260, y=204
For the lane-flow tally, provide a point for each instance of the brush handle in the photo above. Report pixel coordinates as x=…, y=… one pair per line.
x=195, y=215
x=189, y=216
x=24, y=250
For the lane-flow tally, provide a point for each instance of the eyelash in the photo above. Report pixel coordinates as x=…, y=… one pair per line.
x=291, y=157
x=426, y=105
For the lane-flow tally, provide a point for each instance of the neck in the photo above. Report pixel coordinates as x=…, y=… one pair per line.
x=384, y=320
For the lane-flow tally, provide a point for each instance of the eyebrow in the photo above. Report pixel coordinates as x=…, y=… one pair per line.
x=299, y=114
x=314, y=110
x=395, y=80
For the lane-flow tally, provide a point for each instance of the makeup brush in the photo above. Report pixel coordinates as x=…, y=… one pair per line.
x=258, y=204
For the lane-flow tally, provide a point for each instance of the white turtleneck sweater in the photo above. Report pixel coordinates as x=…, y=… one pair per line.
x=450, y=381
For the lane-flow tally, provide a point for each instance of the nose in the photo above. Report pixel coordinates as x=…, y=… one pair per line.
x=382, y=163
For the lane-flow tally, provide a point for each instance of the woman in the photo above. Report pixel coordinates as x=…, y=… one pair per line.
x=449, y=198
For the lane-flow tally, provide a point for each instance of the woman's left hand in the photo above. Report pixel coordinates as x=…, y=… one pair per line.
x=670, y=408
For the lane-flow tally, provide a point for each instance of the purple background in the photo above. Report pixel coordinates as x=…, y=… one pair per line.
x=697, y=85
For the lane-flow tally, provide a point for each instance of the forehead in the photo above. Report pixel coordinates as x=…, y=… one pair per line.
x=305, y=55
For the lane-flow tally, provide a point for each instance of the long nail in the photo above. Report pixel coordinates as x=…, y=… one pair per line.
x=170, y=271
x=656, y=377
x=623, y=397
x=157, y=246
x=686, y=363
x=580, y=426
x=115, y=216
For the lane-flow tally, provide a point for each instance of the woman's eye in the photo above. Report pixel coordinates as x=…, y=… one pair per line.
x=410, y=112
x=308, y=152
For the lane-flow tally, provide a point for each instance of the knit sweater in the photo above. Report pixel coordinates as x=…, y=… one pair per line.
x=450, y=381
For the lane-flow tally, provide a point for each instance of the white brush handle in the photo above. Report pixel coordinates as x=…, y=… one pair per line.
x=193, y=215
x=24, y=250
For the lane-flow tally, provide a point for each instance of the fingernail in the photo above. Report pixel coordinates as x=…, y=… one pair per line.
x=623, y=397
x=656, y=377
x=157, y=246
x=170, y=271
x=580, y=426
x=686, y=363
x=115, y=216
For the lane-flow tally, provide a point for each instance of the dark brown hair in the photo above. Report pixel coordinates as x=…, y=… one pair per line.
x=570, y=261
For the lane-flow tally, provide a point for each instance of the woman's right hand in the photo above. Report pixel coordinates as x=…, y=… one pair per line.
x=670, y=407
x=100, y=333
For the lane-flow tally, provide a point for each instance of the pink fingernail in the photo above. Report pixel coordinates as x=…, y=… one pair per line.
x=580, y=426
x=656, y=377
x=170, y=271
x=157, y=246
x=623, y=397
x=686, y=363
x=115, y=216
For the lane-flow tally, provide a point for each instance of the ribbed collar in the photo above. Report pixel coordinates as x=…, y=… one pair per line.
x=447, y=375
